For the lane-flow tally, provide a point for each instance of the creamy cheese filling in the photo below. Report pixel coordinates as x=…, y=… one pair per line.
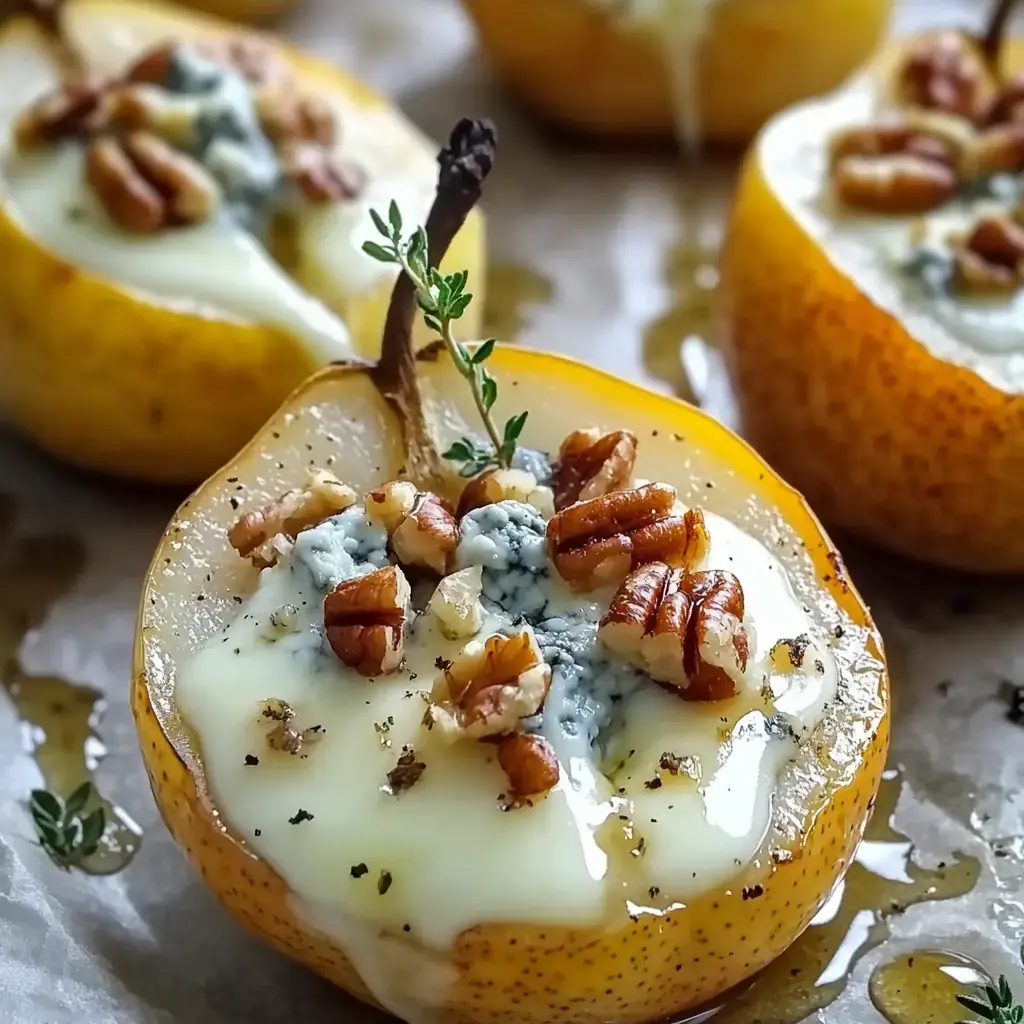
x=220, y=269
x=881, y=254
x=396, y=878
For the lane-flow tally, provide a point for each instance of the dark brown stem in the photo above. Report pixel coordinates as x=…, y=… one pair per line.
x=464, y=164
x=992, y=40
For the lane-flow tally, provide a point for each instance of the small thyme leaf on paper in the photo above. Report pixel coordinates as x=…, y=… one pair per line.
x=443, y=299
x=998, y=1006
x=64, y=833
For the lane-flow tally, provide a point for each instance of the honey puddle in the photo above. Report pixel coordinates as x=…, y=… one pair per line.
x=58, y=717
x=921, y=987
x=882, y=881
x=511, y=289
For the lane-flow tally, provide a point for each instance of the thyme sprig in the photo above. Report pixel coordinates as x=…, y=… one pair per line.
x=64, y=833
x=443, y=299
x=1001, y=1007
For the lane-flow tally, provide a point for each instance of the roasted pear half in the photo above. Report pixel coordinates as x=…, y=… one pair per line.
x=155, y=350
x=633, y=70
x=874, y=338
x=455, y=885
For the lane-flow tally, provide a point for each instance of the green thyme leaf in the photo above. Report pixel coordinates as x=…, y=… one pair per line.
x=92, y=831
x=47, y=805
x=395, y=218
x=378, y=223
x=483, y=351
x=77, y=801
x=489, y=389
x=378, y=252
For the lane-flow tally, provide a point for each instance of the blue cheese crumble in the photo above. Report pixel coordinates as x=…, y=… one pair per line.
x=341, y=548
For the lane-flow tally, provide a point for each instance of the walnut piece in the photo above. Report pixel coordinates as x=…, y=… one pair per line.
x=290, y=116
x=364, y=619
x=68, y=110
x=684, y=629
x=145, y=185
x=286, y=736
x=991, y=258
x=947, y=71
x=489, y=687
x=263, y=534
x=319, y=174
x=887, y=138
x=428, y=535
x=900, y=183
x=591, y=464
x=389, y=505
x=529, y=764
x=506, y=485
x=456, y=603
x=599, y=541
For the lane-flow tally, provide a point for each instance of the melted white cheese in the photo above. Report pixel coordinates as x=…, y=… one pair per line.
x=575, y=857
x=218, y=269
x=985, y=334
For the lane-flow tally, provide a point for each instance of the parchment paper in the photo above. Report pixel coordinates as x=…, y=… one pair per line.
x=150, y=945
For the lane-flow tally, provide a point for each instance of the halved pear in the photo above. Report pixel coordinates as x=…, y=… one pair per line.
x=896, y=426
x=645, y=968
x=590, y=66
x=140, y=376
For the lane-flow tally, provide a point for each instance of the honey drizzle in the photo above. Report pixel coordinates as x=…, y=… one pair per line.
x=58, y=717
x=921, y=986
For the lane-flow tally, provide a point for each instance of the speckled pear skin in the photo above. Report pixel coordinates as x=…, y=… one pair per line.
x=638, y=971
x=907, y=450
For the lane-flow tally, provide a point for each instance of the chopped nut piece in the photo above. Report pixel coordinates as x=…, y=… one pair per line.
x=289, y=116
x=1010, y=105
x=390, y=504
x=489, y=687
x=598, y=541
x=997, y=150
x=258, y=533
x=683, y=629
x=406, y=773
x=591, y=464
x=456, y=603
x=428, y=535
x=676, y=765
x=529, y=763
x=140, y=106
x=897, y=184
x=280, y=622
x=887, y=138
x=505, y=485
x=68, y=110
x=153, y=66
x=947, y=71
x=365, y=620
x=320, y=175
x=976, y=273
x=999, y=240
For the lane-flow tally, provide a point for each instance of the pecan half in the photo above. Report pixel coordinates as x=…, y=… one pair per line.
x=456, y=603
x=505, y=485
x=897, y=184
x=684, y=629
x=145, y=184
x=888, y=138
x=529, y=764
x=259, y=533
x=69, y=110
x=364, y=619
x=991, y=258
x=319, y=174
x=598, y=541
x=428, y=535
x=290, y=116
x=947, y=71
x=489, y=687
x=591, y=464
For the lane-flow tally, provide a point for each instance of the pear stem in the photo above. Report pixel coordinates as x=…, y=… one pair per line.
x=464, y=164
x=992, y=41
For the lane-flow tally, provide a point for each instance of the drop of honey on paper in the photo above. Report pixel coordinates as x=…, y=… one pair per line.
x=882, y=882
x=58, y=717
x=921, y=986
x=511, y=289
